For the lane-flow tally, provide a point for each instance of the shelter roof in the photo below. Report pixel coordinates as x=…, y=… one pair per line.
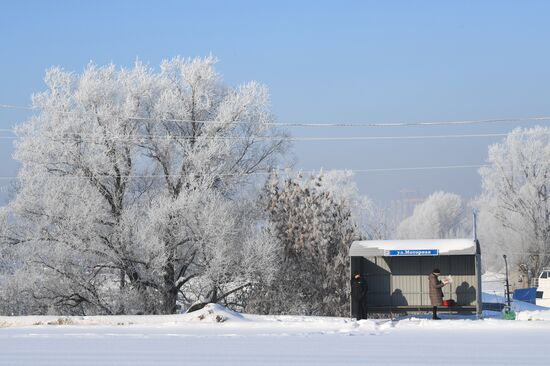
x=417, y=247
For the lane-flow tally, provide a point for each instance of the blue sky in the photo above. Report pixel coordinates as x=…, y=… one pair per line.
x=337, y=61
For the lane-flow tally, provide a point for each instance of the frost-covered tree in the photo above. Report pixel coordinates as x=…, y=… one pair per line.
x=441, y=215
x=313, y=224
x=372, y=221
x=128, y=187
x=515, y=200
x=376, y=222
x=8, y=266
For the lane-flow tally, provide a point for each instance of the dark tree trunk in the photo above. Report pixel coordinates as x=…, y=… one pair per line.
x=169, y=291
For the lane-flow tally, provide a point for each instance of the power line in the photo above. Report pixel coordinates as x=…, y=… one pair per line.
x=308, y=124
x=412, y=124
x=10, y=106
x=282, y=171
x=418, y=168
x=420, y=137
x=267, y=138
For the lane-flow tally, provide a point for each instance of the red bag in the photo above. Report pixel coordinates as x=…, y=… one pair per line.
x=449, y=303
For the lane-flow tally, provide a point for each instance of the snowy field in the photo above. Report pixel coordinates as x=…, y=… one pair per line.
x=216, y=336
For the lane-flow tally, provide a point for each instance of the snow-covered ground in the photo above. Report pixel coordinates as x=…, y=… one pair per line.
x=216, y=336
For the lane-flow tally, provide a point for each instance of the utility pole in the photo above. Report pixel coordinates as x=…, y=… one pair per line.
x=509, y=314
x=479, y=296
x=474, y=224
x=507, y=283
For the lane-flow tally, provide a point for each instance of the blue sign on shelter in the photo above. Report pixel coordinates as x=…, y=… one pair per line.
x=411, y=252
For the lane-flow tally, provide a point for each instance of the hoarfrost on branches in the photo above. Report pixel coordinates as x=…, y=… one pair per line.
x=129, y=185
x=441, y=215
x=515, y=204
x=313, y=224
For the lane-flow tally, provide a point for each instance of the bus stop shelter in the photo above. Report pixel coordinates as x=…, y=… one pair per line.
x=396, y=272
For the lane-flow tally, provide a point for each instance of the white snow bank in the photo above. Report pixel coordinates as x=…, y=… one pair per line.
x=214, y=313
x=25, y=321
x=211, y=313
x=534, y=315
x=214, y=316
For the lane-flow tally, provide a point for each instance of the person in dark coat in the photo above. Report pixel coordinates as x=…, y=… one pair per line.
x=359, y=290
x=436, y=292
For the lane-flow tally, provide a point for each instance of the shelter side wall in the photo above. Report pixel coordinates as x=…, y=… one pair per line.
x=406, y=282
x=377, y=273
x=464, y=283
